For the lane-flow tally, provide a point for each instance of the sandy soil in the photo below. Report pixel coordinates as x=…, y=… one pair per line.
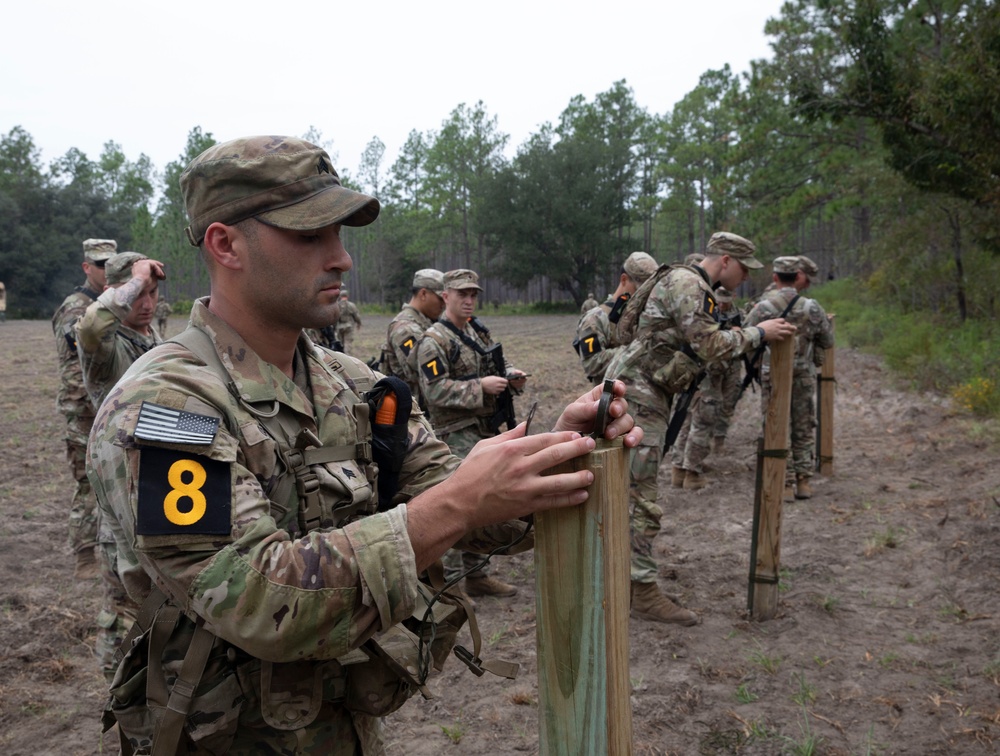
x=887, y=639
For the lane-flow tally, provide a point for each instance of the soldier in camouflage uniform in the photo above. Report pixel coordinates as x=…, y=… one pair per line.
x=73, y=404
x=707, y=422
x=460, y=389
x=677, y=334
x=163, y=310
x=399, y=352
x=594, y=340
x=793, y=275
x=112, y=334
x=348, y=318
x=236, y=470
x=588, y=304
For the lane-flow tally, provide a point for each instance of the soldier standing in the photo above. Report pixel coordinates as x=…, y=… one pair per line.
x=399, y=352
x=588, y=304
x=236, y=466
x=163, y=310
x=72, y=401
x=677, y=334
x=3, y=303
x=461, y=388
x=793, y=275
x=707, y=423
x=112, y=334
x=348, y=318
x=594, y=342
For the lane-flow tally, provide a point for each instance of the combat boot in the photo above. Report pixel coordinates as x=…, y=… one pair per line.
x=649, y=603
x=719, y=444
x=487, y=585
x=677, y=476
x=693, y=481
x=802, y=488
x=789, y=493
x=86, y=564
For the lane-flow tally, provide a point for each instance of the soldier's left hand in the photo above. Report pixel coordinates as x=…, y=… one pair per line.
x=580, y=415
x=516, y=379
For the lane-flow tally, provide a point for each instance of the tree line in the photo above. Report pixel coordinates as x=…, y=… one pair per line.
x=868, y=141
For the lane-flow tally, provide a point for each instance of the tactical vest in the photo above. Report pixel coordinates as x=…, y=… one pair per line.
x=465, y=363
x=217, y=677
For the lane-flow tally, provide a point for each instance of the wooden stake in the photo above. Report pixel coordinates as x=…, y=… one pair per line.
x=767, y=548
x=582, y=606
x=824, y=450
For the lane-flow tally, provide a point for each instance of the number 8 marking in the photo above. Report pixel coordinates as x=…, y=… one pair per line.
x=181, y=490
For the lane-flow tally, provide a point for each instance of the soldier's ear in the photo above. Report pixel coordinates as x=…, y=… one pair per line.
x=224, y=245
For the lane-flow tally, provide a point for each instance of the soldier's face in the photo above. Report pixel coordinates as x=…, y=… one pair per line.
x=432, y=305
x=293, y=278
x=460, y=303
x=143, y=308
x=733, y=273
x=95, y=275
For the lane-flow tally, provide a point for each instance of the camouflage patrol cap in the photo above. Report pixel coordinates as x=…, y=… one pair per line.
x=282, y=181
x=725, y=243
x=694, y=257
x=99, y=250
x=430, y=279
x=462, y=278
x=118, y=269
x=787, y=264
x=723, y=295
x=808, y=267
x=343, y=293
x=639, y=266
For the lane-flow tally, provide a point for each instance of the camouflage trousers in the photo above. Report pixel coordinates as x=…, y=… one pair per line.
x=644, y=512
x=708, y=417
x=455, y=561
x=83, y=509
x=802, y=423
x=346, y=337
x=117, y=613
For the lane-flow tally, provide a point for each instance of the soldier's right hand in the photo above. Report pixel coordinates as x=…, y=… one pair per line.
x=778, y=329
x=493, y=384
x=148, y=270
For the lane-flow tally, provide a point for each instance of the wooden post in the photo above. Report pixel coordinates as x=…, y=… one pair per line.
x=582, y=605
x=824, y=449
x=767, y=547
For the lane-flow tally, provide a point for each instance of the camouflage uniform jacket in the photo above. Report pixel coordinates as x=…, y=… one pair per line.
x=106, y=346
x=163, y=309
x=399, y=352
x=450, y=371
x=681, y=309
x=350, y=316
x=72, y=398
x=271, y=592
x=594, y=341
x=807, y=315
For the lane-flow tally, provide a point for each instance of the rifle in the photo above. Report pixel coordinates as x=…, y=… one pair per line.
x=752, y=368
x=504, y=412
x=681, y=410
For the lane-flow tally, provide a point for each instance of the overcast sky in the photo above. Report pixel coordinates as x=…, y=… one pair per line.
x=77, y=74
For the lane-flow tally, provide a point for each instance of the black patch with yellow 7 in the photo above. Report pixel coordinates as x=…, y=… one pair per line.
x=407, y=346
x=711, y=307
x=180, y=492
x=433, y=369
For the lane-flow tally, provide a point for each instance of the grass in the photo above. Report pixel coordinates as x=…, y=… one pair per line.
x=808, y=744
x=767, y=663
x=806, y=693
x=454, y=733
x=744, y=695
x=888, y=538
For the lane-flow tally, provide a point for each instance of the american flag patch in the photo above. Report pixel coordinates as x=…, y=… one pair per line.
x=158, y=423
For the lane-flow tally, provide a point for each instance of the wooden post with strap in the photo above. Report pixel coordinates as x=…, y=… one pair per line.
x=827, y=384
x=765, y=547
x=582, y=606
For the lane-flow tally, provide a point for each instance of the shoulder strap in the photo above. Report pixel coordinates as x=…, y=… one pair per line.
x=465, y=339
x=788, y=309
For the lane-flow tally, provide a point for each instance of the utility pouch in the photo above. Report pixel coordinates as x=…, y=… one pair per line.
x=678, y=373
x=388, y=678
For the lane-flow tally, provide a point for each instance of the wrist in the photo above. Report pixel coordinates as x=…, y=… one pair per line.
x=763, y=334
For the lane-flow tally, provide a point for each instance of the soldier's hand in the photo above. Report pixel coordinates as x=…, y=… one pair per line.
x=580, y=416
x=778, y=329
x=517, y=379
x=493, y=384
x=148, y=270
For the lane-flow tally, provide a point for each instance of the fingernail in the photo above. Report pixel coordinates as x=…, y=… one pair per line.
x=591, y=443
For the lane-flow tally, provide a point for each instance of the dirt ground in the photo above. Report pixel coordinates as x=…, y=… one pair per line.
x=887, y=639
